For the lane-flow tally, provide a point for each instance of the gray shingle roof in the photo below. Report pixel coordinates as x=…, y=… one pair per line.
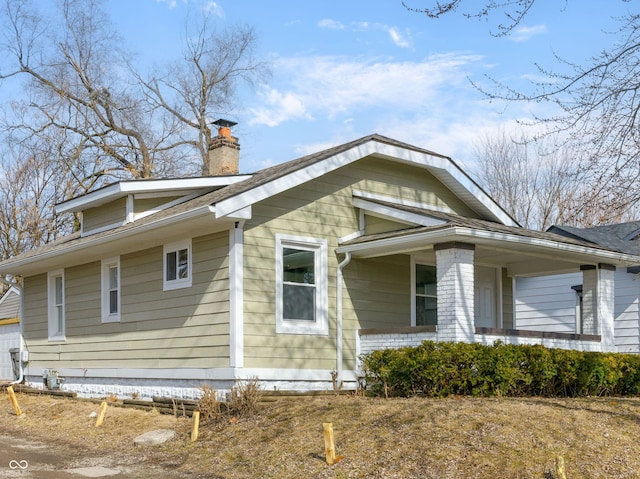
x=618, y=237
x=473, y=223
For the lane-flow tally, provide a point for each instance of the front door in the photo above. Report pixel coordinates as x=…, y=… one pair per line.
x=485, y=293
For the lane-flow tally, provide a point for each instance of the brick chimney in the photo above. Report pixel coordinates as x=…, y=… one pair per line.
x=224, y=150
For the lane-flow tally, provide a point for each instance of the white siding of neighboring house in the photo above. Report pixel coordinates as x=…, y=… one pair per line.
x=9, y=339
x=547, y=303
x=627, y=318
x=9, y=333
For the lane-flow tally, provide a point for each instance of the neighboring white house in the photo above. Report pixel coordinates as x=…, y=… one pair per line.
x=554, y=302
x=9, y=330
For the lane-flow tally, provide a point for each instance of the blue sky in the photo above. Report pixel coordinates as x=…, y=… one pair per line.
x=346, y=69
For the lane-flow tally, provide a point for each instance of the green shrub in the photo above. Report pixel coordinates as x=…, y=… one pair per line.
x=438, y=369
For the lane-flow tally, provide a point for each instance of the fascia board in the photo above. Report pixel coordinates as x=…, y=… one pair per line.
x=122, y=188
x=442, y=167
x=388, y=245
x=395, y=214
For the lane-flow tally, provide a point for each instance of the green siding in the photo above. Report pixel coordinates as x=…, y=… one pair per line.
x=143, y=205
x=184, y=328
x=377, y=292
x=374, y=225
x=105, y=215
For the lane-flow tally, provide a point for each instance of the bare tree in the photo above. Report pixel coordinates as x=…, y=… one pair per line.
x=511, y=12
x=596, y=101
x=81, y=81
x=539, y=184
x=205, y=80
x=29, y=188
x=86, y=116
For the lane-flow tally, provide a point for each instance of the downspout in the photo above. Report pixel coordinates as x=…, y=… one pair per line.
x=21, y=323
x=339, y=283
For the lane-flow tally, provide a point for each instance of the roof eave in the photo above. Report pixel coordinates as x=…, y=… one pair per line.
x=412, y=242
x=123, y=188
x=37, y=262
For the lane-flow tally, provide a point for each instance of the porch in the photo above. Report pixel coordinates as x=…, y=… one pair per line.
x=457, y=280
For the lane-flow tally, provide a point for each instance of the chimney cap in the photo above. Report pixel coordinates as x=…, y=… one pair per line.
x=222, y=123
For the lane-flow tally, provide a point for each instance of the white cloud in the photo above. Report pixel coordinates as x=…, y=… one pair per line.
x=278, y=107
x=327, y=87
x=524, y=33
x=397, y=38
x=213, y=7
x=331, y=24
x=170, y=3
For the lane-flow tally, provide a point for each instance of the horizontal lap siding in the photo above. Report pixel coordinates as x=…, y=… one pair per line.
x=380, y=291
x=376, y=175
x=547, y=303
x=183, y=328
x=375, y=225
x=627, y=311
x=10, y=307
x=106, y=215
x=376, y=293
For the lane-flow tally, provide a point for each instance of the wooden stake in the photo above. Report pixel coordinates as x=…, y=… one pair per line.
x=329, y=446
x=196, y=425
x=14, y=401
x=103, y=411
x=560, y=467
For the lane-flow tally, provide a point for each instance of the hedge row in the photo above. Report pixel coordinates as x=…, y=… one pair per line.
x=442, y=369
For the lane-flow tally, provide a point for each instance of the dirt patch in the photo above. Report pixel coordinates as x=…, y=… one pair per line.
x=398, y=438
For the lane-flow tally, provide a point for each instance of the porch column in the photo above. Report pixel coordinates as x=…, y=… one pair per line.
x=598, y=303
x=454, y=266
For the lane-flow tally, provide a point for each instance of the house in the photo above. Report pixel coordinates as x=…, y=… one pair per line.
x=9, y=331
x=555, y=302
x=287, y=275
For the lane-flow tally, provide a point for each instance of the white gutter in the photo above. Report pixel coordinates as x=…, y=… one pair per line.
x=339, y=281
x=485, y=236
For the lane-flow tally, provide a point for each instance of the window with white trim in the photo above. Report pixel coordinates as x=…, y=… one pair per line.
x=55, y=299
x=111, y=290
x=301, y=285
x=426, y=295
x=177, y=265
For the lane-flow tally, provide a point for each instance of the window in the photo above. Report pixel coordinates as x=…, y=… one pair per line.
x=177, y=265
x=55, y=294
x=426, y=297
x=111, y=290
x=579, y=308
x=301, y=285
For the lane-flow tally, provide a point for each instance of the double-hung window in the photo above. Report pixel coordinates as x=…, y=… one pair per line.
x=301, y=285
x=111, y=290
x=55, y=298
x=177, y=265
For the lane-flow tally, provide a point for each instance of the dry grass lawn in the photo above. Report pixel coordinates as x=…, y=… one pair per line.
x=396, y=438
